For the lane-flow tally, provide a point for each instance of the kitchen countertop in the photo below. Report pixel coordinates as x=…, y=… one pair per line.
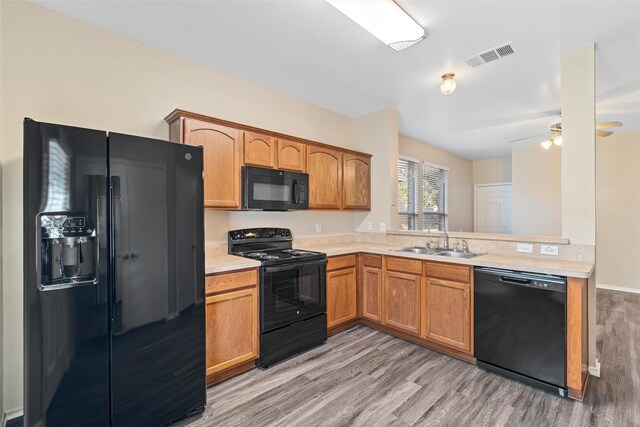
x=222, y=263
x=580, y=269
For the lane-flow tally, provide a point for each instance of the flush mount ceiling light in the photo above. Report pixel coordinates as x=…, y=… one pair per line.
x=448, y=84
x=384, y=19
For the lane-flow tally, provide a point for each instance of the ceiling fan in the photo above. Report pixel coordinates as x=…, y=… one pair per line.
x=554, y=135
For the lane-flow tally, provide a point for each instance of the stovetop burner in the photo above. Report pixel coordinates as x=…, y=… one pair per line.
x=297, y=252
x=256, y=254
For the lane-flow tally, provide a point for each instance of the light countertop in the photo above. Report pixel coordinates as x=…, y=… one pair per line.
x=222, y=263
x=580, y=269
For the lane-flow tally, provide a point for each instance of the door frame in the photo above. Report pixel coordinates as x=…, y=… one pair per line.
x=475, y=198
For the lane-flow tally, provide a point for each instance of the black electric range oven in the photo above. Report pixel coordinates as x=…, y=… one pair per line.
x=292, y=292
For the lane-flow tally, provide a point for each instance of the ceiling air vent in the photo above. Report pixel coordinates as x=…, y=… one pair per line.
x=490, y=55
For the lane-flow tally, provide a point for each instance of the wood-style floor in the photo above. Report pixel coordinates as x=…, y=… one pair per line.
x=363, y=377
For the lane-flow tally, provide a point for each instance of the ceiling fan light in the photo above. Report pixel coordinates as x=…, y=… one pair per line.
x=384, y=19
x=448, y=84
x=546, y=144
x=557, y=140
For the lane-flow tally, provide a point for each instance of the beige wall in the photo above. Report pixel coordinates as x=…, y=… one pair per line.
x=377, y=133
x=536, y=191
x=460, y=180
x=60, y=70
x=618, y=210
x=492, y=171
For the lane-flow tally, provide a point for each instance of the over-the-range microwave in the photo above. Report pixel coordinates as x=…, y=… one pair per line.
x=274, y=189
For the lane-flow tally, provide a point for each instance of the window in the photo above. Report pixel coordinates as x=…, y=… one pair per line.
x=408, y=194
x=423, y=185
x=435, y=180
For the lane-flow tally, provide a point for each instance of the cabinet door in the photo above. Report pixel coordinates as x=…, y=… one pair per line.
x=325, y=178
x=222, y=161
x=372, y=294
x=402, y=301
x=291, y=155
x=259, y=150
x=357, y=181
x=448, y=313
x=341, y=296
x=232, y=329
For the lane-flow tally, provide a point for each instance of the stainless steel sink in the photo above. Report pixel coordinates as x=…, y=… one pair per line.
x=440, y=252
x=453, y=254
x=418, y=250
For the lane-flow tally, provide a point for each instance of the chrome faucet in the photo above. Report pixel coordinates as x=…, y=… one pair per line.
x=465, y=248
x=446, y=240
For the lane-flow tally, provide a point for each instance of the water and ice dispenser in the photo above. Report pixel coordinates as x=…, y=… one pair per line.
x=68, y=248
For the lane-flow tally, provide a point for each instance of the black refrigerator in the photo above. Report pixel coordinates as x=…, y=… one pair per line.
x=114, y=313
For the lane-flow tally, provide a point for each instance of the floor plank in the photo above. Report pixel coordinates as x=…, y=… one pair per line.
x=363, y=377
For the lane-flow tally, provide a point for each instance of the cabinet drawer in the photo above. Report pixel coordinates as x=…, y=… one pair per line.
x=374, y=261
x=404, y=265
x=228, y=281
x=338, y=262
x=454, y=272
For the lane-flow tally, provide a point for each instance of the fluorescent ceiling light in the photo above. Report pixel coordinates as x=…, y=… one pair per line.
x=384, y=19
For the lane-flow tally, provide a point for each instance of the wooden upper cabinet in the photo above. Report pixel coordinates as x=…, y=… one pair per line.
x=292, y=155
x=449, y=313
x=402, y=301
x=222, y=161
x=357, y=181
x=260, y=150
x=325, y=177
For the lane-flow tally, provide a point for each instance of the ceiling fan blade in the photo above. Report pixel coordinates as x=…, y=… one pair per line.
x=605, y=125
x=529, y=137
x=603, y=133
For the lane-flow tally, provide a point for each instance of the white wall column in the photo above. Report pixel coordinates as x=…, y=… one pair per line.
x=579, y=160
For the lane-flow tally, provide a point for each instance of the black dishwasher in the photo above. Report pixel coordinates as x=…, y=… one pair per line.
x=520, y=326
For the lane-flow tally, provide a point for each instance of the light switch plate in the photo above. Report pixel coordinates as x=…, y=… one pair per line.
x=318, y=227
x=524, y=248
x=369, y=226
x=383, y=227
x=548, y=250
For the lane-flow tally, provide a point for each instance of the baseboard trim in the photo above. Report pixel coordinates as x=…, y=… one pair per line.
x=595, y=370
x=618, y=288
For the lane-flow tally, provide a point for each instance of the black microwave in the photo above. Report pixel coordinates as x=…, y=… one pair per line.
x=274, y=189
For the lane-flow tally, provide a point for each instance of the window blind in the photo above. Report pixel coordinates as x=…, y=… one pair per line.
x=435, y=189
x=408, y=198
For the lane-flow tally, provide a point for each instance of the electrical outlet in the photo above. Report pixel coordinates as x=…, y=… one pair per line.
x=318, y=227
x=548, y=250
x=525, y=248
x=383, y=227
x=369, y=226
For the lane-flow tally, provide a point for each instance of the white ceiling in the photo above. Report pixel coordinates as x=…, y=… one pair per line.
x=309, y=50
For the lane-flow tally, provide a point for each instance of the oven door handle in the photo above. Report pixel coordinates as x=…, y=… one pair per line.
x=293, y=266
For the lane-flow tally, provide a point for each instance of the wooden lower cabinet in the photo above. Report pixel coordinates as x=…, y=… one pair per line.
x=402, y=301
x=449, y=313
x=342, y=296
x=371, y=301
x=231, y=327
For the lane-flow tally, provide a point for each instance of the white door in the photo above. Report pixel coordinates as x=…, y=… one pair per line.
x=493, y=208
